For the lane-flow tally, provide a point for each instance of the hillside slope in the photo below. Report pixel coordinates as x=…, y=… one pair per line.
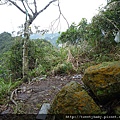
x=6, y=41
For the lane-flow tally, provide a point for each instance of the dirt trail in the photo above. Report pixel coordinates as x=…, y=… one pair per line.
x=31, y=96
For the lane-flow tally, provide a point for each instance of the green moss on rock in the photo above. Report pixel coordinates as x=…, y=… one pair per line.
x=73, y=99
x=104, y=80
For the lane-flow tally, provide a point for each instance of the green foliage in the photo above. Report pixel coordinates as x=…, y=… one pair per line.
x=82, y=29
x=14, y=61
x=111, y=1
x=4, y=71
x=107, y=21
x=6, y=42
x=6, y=87
x=46, y=57
x=41, y=54
x=99, y=34
x=64, y=68
x=89, y=44
x=62, y=54
x=71, y=35
x=37, y=71
x=74, y=34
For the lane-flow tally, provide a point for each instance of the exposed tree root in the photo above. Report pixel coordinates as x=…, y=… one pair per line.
x=15, y=93
x=12, y=95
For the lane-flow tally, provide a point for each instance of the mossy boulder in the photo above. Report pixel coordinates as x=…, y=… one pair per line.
x=73, y=99
x=104, y=80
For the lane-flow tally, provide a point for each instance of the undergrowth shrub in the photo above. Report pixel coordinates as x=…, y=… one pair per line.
x=14, y=59
x=64, y=68
x=85, y=55
x=4, y=87
x=7, y=86
x=37, y=71
x=41, y=55
x=44, y=58
x=47, y=56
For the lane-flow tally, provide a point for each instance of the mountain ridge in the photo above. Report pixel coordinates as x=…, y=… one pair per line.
x=51, y=37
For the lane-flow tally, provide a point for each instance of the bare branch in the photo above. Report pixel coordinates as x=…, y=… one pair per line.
x=14, y=3
x=62, y=14
x=54, y=22
x=58, y=19
x=35, y=6
x=29, y=7
x=26, y=11
x=46, y=6
x=24, y=6
x=36, y=14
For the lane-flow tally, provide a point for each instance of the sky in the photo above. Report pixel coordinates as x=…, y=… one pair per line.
x=73, y=10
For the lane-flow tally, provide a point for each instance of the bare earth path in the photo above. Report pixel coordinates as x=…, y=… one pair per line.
x=31, y=96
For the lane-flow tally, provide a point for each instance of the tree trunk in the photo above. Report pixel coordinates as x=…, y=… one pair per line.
x=25, y=50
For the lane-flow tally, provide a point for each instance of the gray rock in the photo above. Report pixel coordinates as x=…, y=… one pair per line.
x=43, y=111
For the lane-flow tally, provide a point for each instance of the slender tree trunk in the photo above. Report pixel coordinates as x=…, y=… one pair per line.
x=25, y=50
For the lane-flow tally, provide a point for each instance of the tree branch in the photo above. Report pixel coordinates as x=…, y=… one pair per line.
x=112, y=23
x=29, y=7
x=58, y=19
x=53, y=23
x=62, y=14
x=36, y=14
x=24, y=6
x=46, y=6
x=35, y=6
x=25, y=9
x=14, y=3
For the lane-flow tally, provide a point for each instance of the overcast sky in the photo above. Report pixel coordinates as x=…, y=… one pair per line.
x=73, y=10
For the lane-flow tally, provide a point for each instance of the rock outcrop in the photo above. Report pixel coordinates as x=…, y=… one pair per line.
x=104, y=80
x=73, y=99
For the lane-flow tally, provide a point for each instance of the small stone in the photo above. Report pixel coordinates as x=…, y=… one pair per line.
x=77, y=76
x=29, y=91
x=43, y=111
x=6, y=111
x=53, y=87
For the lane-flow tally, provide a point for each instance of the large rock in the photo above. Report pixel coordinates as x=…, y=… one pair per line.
x=104, y=80
x=73, y=99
